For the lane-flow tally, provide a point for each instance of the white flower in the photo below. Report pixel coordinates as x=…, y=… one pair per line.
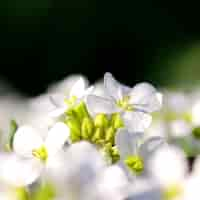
x=77, y=93
x=134, y=152
x=134, y=104
x=86, y=175
x=32, y=154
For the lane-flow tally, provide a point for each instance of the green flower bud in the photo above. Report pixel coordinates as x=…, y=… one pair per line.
x=87, y=128
x=98, y=135
x=196, y=132
x=109, y=135
x=75, y=129
x=116, y=121
x=81, y=111
x=101, y=121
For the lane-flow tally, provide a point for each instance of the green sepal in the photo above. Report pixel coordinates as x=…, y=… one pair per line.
x=12, y=131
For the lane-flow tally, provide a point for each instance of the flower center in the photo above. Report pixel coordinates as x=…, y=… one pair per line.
x=40, y=153
x=70, y=101
x=21, y=193
x=124, y=103
x=135, y=163
x=172, y=192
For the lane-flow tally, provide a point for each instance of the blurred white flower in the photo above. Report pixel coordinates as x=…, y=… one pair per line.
x=169, y=168
x=134, y=104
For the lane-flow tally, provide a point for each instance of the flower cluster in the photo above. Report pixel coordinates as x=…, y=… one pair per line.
x=102, y=142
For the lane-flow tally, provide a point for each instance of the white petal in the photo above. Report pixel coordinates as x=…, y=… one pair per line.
x=113, y=87
x=168, y=165
x=26, y=139
x=57, y=137
x=57, y=100
x=64, y=86
x=145, y=189
x=78, y=88
x=127, y=142
x=112, y=182
x=145, y=97
x=98, y=104
x=136, y=121
x=18, y=172
x=85, y=162
x=58, y=112
x=150, y=146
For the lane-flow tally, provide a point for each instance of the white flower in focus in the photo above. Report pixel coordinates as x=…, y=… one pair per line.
x=134, y=151
x=32, y=154
x=77, y=93
x=134, y=104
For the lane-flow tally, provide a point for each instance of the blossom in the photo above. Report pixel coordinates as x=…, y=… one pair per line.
x=77, y=94
x=86, y=175
x=134, y=104
x=31, y=154
x=134, y=151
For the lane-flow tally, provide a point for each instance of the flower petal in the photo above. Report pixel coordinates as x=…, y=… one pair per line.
x=98, y=104
x=150, y=146
x=136, y=121
x=26, y=139
x=78, y=88
x=168, y=165
x=18, y=172
x=57, y=100
x=57, y=112
x=127, y=142
x=113, y=87
x=145, y=97
x=56, y=138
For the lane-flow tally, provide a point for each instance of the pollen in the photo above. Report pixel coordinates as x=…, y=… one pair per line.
x=135, y=164
x=40, y=153
x=124, y=103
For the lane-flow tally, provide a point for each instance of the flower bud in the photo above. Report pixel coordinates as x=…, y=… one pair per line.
x=101, y=121
x=87, y=128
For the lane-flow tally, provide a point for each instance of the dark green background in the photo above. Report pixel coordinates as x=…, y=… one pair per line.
x=42, y=41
